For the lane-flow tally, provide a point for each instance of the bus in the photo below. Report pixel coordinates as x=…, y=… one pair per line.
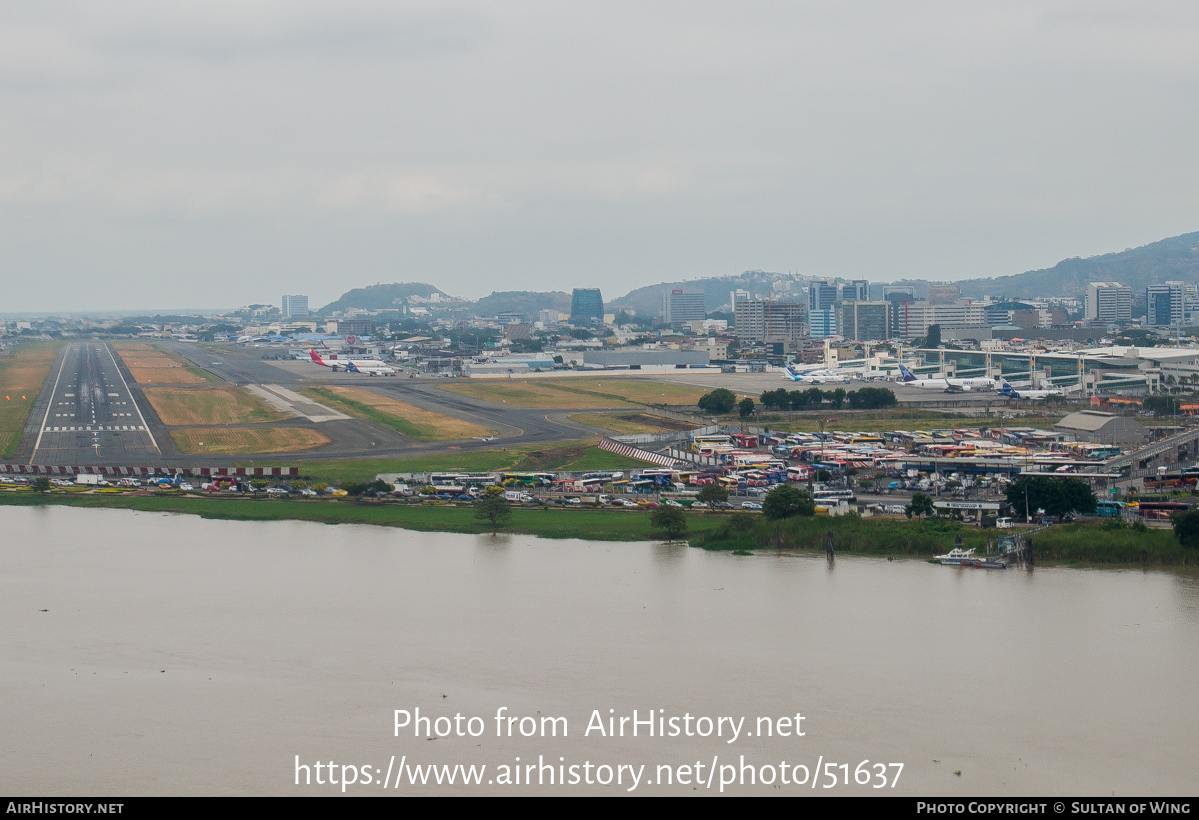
x=527, y=479
x=707, y=445
x=833, y=495
x=461, y=479
x=1161, y=509
x=662, y=478
x=1109, y=509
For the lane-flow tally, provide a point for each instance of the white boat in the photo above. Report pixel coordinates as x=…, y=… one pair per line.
x=958, y=557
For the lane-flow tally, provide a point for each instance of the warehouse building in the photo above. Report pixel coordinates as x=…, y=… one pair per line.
x=1094, y=426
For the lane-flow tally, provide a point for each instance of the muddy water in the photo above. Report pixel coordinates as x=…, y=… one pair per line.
x=183, y=656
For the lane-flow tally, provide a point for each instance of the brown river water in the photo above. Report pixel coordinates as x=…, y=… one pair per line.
x=184, y=656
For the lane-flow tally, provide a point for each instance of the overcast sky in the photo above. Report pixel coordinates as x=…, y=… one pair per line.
x=176, y=155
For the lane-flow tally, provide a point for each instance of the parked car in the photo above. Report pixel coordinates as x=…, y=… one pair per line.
x=750, y=505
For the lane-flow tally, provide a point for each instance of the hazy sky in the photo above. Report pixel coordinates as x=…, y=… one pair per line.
x=171, y=155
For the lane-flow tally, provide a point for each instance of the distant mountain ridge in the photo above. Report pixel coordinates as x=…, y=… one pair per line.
x=647, y=301
x=1175, y=258
x=379, y=297
x=527, y=302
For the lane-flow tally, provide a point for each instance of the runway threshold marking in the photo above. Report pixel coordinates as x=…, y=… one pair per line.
x=130, y=394
x=53, y=393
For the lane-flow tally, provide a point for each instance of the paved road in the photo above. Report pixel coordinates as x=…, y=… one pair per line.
x=87, y=414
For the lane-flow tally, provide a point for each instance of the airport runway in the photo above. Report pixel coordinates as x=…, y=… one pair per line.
x=86, y=413
x=357, y=438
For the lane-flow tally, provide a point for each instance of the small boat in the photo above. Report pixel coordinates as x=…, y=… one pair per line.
x=958, y=557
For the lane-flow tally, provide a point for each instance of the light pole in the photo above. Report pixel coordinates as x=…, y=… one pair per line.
x=822, y=423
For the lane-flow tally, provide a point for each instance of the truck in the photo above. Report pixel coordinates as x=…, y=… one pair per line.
x=90, y=480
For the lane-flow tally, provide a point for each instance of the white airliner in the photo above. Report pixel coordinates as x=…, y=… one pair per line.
x=814, y=374
x=953, y=385
x=371, y=367
x=1009, y=392
x=380, y=369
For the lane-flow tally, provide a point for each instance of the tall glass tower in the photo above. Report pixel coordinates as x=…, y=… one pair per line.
x=586, y=305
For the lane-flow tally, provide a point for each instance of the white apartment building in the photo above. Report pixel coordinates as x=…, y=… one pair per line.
x=1108, y=302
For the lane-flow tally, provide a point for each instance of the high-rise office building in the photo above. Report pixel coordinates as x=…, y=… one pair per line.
x=1165, y=304
x=586, y=305
x=822, y=294
x=679, y=307
x=1108, y=302
x=823, y=323
x=897, y=297
x=765, y=320
x=294, y=306
x=865, y=321
x=856, y=290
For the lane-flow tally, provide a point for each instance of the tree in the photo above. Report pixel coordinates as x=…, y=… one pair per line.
x=368, y=488
x=780, y=398
x=1186, y=529
x=785, y=501
x=836, y=397
x=41, y=484
x=713, y=494
x=922, y=504
x=719, y=401
x=1056, y=496
x=871, y=398
x=493, y=507
x=671, y=519
x=933, y=337
x=260, y=483
x=320, y=487
x=745, y=407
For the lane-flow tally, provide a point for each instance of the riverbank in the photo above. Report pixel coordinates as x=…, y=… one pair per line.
x=1080, y=543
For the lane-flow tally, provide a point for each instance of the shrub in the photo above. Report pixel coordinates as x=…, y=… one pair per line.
x=719, y=401
x=785, y=501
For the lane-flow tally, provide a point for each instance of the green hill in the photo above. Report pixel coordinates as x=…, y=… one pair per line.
x=1176, y=258
x=379, y=297
x=647, y=301
x=527, y=302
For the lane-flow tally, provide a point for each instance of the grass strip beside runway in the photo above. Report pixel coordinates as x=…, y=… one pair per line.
x=406, y=419
x=575, y=392
x=633, y=423
x=234, y=441
x=225, y=404
x=570, y=455
x=151, y=365
x=23, y=371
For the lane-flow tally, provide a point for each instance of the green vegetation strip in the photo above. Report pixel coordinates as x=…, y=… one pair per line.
x=1080, y=543
x=1109, y=543
x=601, y=525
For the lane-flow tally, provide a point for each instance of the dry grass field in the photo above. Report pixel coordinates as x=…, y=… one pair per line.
x=237, y=441
x=22, y=374
x=631, y=423
x=423, y=425
x=224, y=404
x=149, y=365
x=576, y=393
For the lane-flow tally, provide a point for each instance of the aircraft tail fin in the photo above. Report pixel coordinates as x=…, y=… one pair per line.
x=316, y=358
x=908, y=376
